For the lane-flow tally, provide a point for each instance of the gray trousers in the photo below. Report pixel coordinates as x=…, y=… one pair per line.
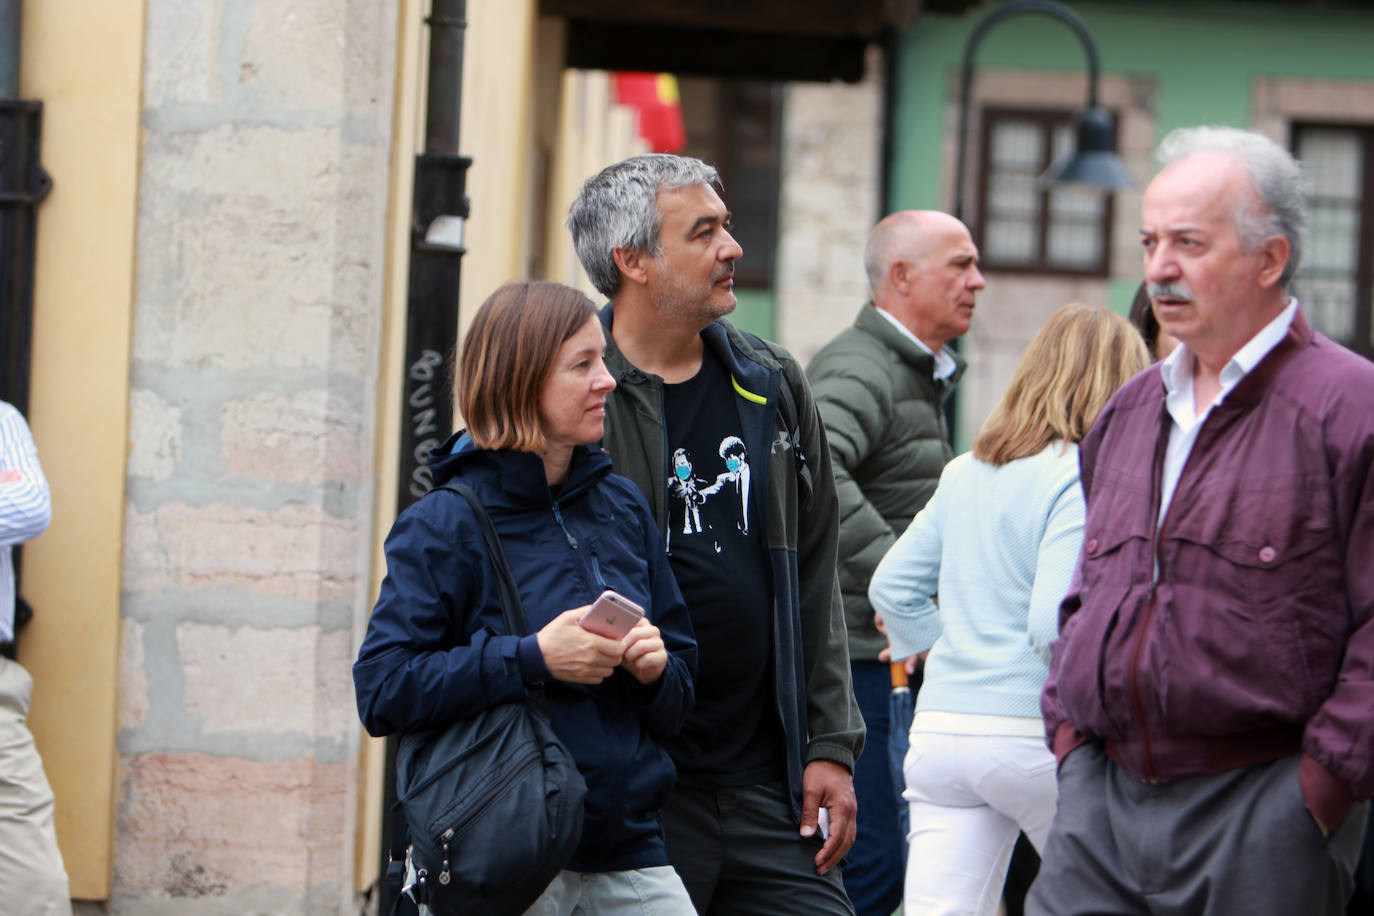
x=739, y=852
x=1237, y=842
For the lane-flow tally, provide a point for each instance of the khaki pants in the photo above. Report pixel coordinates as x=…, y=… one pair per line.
x=33, y=881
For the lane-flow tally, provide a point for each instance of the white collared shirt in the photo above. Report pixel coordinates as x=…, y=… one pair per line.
x=944, y=363
x=1177, y=372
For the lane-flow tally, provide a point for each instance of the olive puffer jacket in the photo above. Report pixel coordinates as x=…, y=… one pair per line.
x=884, y=417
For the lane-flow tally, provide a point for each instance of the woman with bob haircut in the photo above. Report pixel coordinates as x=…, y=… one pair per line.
x=532, y=386
x=997, y=542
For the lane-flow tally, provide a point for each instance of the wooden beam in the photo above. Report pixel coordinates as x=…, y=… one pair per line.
x=854, y=18
x=594, y=45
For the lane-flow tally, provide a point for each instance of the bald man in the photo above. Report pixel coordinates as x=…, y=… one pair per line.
x=881, y=387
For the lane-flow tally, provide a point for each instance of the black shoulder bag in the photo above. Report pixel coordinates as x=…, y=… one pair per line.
x=494, y=801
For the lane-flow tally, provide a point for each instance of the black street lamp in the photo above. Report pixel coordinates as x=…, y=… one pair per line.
x=1092, y=161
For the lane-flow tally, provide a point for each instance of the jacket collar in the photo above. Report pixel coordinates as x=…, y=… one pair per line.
x=1258, y=380
x=512, y=479
x=748, y=366
x=870, y=322
x=1255, y=383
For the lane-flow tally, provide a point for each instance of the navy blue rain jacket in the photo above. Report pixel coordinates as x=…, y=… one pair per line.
x=436, y=648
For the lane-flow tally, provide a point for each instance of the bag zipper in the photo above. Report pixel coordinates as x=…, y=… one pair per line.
x=469, y=816
x=512, y=775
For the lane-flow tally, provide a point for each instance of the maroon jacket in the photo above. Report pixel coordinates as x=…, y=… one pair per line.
x=1257, y=638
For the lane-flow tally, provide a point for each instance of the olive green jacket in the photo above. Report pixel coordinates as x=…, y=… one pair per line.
x=816, y=705
x=884, y=418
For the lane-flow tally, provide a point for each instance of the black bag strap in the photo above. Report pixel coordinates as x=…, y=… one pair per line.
x=514, y=613
x=511, y=607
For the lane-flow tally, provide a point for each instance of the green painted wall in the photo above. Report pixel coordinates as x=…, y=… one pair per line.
x=756, y=312
x=1203, y=57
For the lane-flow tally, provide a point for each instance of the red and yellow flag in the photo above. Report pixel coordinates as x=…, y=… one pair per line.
x=654, y=97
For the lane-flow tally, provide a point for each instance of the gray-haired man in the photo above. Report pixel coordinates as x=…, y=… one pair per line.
x=775, y=731
x=1211, y=696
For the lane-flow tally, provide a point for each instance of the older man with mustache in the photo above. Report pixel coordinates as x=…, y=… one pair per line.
x=1211, y=696
x=776, y=730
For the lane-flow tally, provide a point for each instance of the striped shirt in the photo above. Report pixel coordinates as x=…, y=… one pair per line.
x=25, y=508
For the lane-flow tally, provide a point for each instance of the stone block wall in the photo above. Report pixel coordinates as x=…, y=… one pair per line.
x=828, y=204
x=262, y=213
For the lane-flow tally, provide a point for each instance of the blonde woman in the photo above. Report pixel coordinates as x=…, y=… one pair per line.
x=997, y=542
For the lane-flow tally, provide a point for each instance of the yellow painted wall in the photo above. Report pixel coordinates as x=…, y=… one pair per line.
x=499, y=59
x=592, y=133
x=84, y=61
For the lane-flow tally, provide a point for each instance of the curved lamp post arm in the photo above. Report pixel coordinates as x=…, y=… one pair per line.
x=1049, y=7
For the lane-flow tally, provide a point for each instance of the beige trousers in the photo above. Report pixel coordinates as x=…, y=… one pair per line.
x=33, y=881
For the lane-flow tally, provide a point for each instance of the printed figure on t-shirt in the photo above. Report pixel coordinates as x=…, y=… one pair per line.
x=686, y=490
x=736, y=473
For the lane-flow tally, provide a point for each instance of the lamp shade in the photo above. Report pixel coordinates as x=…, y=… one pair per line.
x=1092, y=161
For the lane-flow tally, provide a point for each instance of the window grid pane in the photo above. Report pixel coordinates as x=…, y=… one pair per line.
x=1026, y=226
x=1012, y=235
x=1327, y=279
x=1016, y=145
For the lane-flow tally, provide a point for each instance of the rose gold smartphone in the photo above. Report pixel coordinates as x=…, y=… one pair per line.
x=612, y=615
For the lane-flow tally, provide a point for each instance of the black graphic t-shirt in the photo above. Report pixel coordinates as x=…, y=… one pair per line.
x=717, y=550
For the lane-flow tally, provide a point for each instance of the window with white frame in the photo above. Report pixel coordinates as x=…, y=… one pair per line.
x=1028, y=227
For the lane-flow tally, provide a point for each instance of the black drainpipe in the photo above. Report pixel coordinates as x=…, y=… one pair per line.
x=888, y=44
x=891, y=43
x=439, y=210
x=23, y=183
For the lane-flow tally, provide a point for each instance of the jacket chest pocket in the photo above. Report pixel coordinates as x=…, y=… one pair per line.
x=1265, y=546
x=612, y=558
x=1117, y=533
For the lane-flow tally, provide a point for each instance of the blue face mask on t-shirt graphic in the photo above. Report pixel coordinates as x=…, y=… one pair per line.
x=732, y=464
x=683, y=472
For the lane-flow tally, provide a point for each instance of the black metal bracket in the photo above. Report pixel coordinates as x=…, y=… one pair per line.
x=440, y=190
x=22, y=179
x=23, y=183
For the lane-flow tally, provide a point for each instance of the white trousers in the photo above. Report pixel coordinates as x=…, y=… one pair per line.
x=33, y=881
x=968, y=796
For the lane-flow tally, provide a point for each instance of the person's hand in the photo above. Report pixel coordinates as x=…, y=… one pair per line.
x=827, y=784
x=576, y=655
x=645, y=655
x=911, y=661
x=885, y=653
x=10, y=475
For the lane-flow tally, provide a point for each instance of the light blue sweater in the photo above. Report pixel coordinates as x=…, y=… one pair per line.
x=998, y=545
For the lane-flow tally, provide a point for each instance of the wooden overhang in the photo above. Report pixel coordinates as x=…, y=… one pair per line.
x=806, y=40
